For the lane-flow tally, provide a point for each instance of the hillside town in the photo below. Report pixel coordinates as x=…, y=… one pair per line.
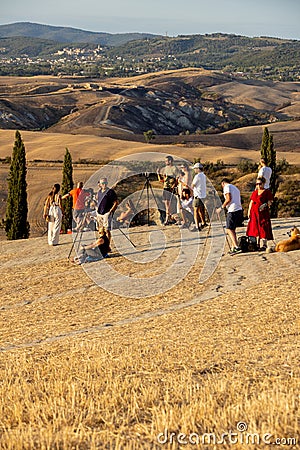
x=100, y=62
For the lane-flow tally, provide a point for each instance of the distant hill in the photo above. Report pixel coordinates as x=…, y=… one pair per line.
x=19, y=46
x=67, y=34
x=186, y=101
x=216, y=51
x=134, y=53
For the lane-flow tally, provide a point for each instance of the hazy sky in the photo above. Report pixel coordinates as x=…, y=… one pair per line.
x=280, y=18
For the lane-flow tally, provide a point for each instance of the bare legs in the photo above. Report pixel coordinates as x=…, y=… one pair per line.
x=232, y=235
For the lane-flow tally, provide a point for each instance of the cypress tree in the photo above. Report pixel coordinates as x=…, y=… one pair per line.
x=268, y=152
x=274, y=181
x=264, y=146
x=16, y=224
x=67, y=185
x=272, y=163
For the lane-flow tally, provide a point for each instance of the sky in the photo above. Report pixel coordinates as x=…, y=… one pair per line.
x=277, y=18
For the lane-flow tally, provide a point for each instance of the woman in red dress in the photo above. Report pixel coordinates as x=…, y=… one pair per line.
x=259, y=225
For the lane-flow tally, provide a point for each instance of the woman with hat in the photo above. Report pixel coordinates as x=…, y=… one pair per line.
x=259, y=224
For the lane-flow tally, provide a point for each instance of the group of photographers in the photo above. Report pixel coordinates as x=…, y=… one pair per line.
x=189, y=192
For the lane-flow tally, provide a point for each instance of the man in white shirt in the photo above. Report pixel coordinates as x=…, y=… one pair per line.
x=199, y=191
x=265, y=172
x=234, y=208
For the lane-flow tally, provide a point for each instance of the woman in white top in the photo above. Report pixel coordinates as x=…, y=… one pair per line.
x=265, y=172
x=186, y=207
x=53, y=214
x=185, y=179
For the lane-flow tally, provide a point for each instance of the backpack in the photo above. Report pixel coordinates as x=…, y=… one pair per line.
x=243, y=243
x=252, y=244
x=247, y=244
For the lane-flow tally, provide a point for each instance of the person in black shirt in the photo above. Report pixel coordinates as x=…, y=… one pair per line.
x=107, y=203
x=95, y=251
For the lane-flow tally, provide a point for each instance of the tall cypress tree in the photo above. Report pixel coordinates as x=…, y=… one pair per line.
x=16, y=224
x=274, y=181
x=271, y=152
x=268, y=153
x=67, y=185
x=264, y=146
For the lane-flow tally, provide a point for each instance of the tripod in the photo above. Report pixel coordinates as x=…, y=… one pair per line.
x=220, y=220
x=148, y=187
x=79, y=229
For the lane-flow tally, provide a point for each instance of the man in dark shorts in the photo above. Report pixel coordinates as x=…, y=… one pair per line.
x=199, y=191
x=234, y=208
x=107, y=203
x=168, y=175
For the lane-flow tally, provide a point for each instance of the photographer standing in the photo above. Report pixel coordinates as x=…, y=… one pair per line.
x=168, y=175
x=107, y=203
x=199, y=189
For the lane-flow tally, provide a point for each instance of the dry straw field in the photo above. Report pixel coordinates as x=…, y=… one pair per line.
x=82, y=368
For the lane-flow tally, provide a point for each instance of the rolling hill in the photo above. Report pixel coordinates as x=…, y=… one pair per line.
x=132, y=53
x=67, y=34
x=103, y=120
x=182, y=102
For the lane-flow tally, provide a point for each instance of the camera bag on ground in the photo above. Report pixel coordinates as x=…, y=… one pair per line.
x=247, y=244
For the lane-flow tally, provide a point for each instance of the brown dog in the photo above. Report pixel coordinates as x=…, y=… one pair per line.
x=293, y=243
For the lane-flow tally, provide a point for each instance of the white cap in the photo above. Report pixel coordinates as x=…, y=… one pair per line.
x=198, y=166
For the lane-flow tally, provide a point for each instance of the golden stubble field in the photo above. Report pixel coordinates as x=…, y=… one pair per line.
x=82, y=368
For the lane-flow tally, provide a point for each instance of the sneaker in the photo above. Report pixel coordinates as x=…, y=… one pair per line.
x=263, y=248
x=235, y=250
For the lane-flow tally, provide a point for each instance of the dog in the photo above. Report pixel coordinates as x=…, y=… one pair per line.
x=293, y=243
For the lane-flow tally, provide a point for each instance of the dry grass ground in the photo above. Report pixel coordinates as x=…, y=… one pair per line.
x=85, y=369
